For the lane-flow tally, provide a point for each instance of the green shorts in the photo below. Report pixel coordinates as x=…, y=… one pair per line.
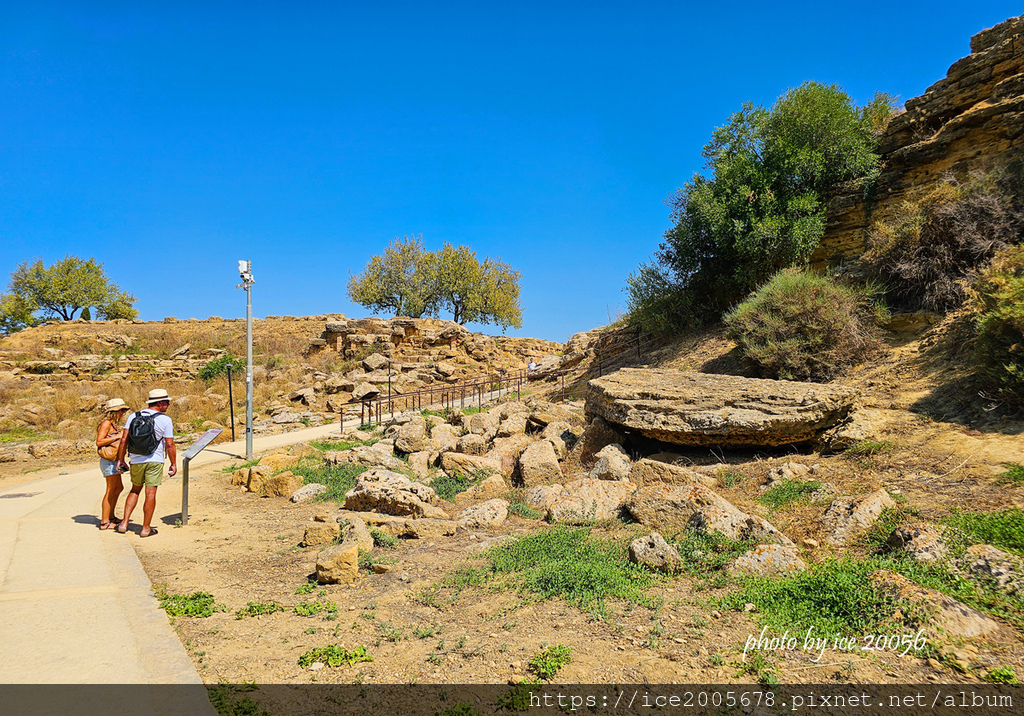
x=150, y=474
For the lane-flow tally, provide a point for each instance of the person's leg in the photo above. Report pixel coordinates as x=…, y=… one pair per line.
x=148, y=507
x=107, y=507
x=138, y=474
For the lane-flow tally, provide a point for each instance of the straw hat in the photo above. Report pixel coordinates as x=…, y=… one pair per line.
x=114, y=404
x=158, y=395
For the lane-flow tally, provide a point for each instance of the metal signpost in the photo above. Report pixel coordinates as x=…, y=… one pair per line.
x=231, y=401
x=245, y=271
x=197, y=447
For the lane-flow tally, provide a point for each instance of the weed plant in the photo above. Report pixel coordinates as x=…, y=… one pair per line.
x=196, y=604
x=309, y=609
x=448, y=486
x=383, y=539
x=730, y=477
x=549, y=660
x=255, y=609
x=332, y=445
x=999, y=350
x=334, y=655
x=525, y=511
x=226, y=703
x=707, y=553
x=307, y=588
x=877, y=535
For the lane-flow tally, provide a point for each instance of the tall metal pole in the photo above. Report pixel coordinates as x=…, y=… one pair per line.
x=248, y=370
x=245, y=271
x=231, y=402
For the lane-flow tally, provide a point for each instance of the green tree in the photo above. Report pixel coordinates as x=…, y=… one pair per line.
x=406, y=280
x=399, y=281
x=62, y=290
x=761, y=206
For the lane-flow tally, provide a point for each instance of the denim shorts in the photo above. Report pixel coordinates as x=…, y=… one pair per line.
x=108, y=467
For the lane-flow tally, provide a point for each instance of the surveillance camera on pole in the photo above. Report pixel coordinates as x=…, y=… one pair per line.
x=245, y=271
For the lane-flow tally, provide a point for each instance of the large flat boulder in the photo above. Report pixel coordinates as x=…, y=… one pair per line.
x=688, y=408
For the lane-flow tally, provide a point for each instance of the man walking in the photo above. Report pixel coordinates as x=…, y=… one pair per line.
x=147, y=443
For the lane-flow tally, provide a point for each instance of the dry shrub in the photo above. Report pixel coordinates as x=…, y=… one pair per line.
x=803, y=326
x=928, y=252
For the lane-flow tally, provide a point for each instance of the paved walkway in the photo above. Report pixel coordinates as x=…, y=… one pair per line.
x=75, y=605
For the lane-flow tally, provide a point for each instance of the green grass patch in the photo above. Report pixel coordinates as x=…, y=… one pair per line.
x=1013, y=475
x=877, y=535
x=562, y=562
x=339, y=479
x=525, y=511
x=448, y=486
x=334, y=655
x=238, y=466
x=788, y=492
x=705, y=553
x=332, y=445
x=255, y=609
x=196, y=604
x=870, y=448
x=227, y=702
x=730, y=476
x=1003, y=675
x=549, y=660
x=19, y=435
x=307, y=588
x=368, y=559
x=1003, y=529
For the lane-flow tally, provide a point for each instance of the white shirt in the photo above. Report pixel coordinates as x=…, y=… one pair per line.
x=163, y=427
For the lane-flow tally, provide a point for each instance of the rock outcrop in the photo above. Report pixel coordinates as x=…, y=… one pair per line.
x=688, y=408
x=970, y=120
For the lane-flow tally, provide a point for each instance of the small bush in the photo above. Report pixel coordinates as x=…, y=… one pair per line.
x=802, y=326
x=999, y=349
x=383, y=539
x=548, y=661
x=219, y=366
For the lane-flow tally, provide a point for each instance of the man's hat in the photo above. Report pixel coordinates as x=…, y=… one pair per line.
x=114, y=404
x=158, y=395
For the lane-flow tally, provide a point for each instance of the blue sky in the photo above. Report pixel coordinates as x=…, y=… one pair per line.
x=168, y=142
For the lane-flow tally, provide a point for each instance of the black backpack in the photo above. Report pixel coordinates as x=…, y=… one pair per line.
x=142, y=439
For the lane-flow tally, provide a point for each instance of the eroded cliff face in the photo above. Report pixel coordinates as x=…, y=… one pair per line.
x=969, y=121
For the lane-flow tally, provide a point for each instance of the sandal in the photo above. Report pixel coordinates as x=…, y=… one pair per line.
x=108, y=525
x=151, y=532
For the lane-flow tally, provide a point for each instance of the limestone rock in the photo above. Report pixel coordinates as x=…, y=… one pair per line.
x=338, y=384
x=491, y=513
x=456, y=463
x=543, y=496
x=597, y=435
x=279, y=461
x=494, y=486
x=308, y=492
x=654, y=552
x=947, y=617
x=862, y=424
x=420, y=463
x=320, y=533
x=444, y=437
x=769, y=560
x=923, y=542
x=375, y=361
x=673, y=509
x=377, y=455
x=586, y=500
x=303, y=450
x=689, y=408
x=612, y=464
x=353, y=529
x=384, y=491
x=543, y=413
x=1001, y=569
x=282, y=485
x=411, y=437
x=471, y=444
x=257, y=476
x=785, y=472
x=338, y=564
x=512, y=425
x=647, y=472
x=481, y=423
x=847, y=516
x=365, y=391
x=538, y=464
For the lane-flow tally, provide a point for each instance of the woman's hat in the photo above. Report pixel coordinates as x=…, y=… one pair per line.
x=114, y=404
x=158, y=395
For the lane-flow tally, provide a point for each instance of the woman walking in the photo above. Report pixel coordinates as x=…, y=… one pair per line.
x=108, y=435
